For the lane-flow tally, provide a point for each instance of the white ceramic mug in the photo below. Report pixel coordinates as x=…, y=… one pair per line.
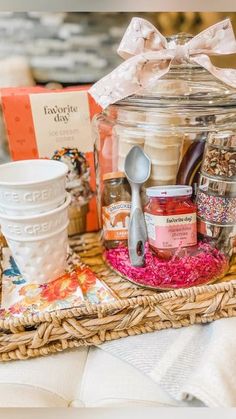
x=29, y=187
x=39, y=242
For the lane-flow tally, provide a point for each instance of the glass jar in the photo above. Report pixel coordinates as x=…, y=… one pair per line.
x=216, y=200
x=172, y=118
x=116, y=205
x=216, y=194
x=172, y=121
x=170, y=217
x=219, y=158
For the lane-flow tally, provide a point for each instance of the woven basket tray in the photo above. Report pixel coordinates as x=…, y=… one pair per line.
x=137, y=311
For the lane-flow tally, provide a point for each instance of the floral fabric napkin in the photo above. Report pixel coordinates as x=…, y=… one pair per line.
x=78, y=285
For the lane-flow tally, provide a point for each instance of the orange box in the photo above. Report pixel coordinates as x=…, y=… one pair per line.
x=42, y=123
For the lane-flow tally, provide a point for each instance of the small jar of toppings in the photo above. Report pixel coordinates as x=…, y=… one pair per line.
x=219, y=158
x=170, y=216
x=116, y=205
x=216, y=200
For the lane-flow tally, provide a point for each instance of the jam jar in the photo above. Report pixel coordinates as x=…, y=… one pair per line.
x=170, y=216
x=116, y=205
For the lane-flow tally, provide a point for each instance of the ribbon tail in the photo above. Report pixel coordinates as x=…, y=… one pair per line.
x=130, y=77
x=226, y=75
x=120, y=83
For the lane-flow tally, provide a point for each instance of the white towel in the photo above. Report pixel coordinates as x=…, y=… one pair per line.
x=196, y=362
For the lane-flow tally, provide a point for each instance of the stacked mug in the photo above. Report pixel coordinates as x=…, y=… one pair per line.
x=216, y=196
x=34, y=216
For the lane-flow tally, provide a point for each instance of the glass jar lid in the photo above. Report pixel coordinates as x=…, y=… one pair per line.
x=185, y=84
x=169, y=191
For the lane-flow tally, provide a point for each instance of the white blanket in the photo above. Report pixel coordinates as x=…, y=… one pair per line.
x=193, y=362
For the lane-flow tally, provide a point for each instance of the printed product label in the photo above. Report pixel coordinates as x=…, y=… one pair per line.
x=171, y=231
x=115, y=218
x=61, y=120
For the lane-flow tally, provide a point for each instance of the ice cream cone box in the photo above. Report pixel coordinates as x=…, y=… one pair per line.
x=56, y=124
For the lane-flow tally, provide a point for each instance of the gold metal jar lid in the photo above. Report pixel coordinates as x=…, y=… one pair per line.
x=113, y=175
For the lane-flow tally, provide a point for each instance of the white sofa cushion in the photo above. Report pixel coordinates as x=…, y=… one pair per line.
x=108, y=381
x=78, y=378
x=43, y=382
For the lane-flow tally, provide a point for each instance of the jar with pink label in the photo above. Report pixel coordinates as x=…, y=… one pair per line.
x=170, y=216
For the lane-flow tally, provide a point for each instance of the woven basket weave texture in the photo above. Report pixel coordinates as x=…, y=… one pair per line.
x=137, y=310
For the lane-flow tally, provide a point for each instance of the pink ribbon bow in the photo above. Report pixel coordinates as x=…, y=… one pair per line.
x=149, y=56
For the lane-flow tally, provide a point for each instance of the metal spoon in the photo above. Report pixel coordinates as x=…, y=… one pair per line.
x=137, y=169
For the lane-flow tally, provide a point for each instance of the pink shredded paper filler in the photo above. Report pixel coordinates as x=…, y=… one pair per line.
x=206, y=265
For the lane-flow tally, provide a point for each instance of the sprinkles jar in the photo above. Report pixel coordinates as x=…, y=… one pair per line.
x=217, y=209
x=216, y=200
